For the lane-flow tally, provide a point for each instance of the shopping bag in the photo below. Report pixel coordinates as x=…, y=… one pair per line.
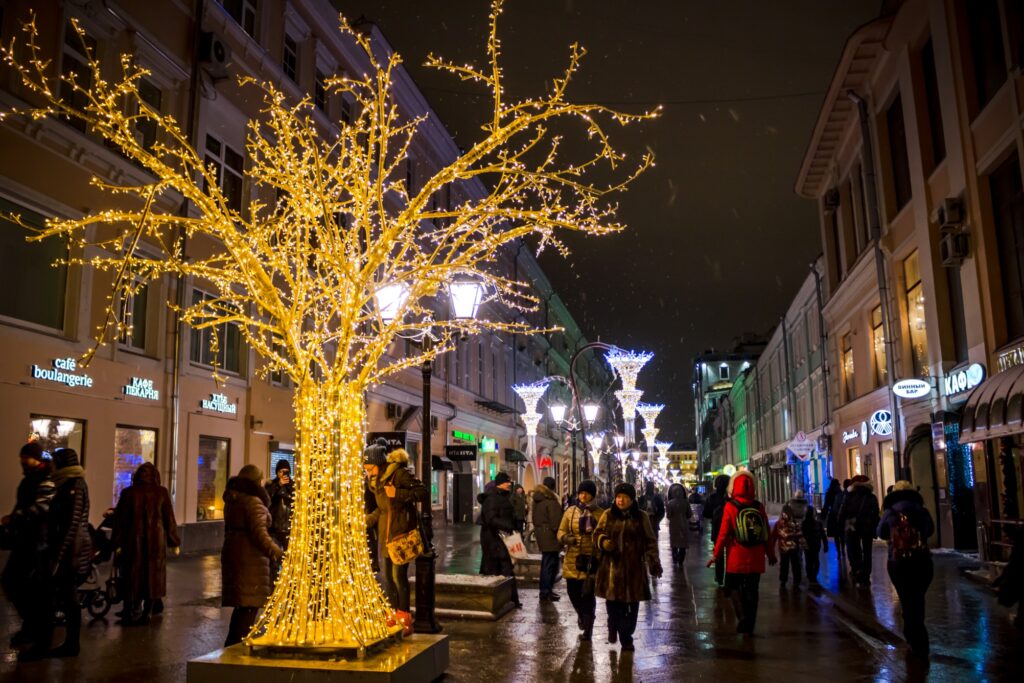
x=515, y=545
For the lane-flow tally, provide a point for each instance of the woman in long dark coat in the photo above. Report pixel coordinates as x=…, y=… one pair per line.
x=678, y=513
x=497, y=517
x=144, y=527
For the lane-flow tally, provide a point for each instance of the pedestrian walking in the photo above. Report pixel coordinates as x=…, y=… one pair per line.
x=817, y=542
x=26, y=575
x=834, y=497
x=744, y=538
x=787, y=541
x=70, y=555
x=859, y=520
x=629, y=557
x=1010, y=583
x=497, y=517
x=714, y=506
x=144, y=528
x=519, y=508
x=281, y=490
x=396, y=492
x=654, y=505
x=907, y=525
x=678, y=512
x=576, y=533
x=547, y=516
x=248, y=551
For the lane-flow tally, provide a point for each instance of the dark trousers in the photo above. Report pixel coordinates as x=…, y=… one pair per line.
x=548, y=572
x=64, y=598
x=743, y=591
x=720, y=568
x=679, y=555
x=858, y=549
x=395, y=578
x=622, y=619
x=585, y=605
x=812, y=562
x=790, y=560
x=23, y=585
x=242, y=620
x=911, y=578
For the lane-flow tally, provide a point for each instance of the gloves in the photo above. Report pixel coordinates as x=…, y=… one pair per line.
x=711, y=563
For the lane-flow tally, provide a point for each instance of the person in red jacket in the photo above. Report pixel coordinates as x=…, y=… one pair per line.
x=744, y=535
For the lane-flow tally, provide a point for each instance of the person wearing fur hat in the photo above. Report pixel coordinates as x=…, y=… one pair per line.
x=24, y=532
x=547, y=515
x=248, y=551
x=396, y=492
x=629, y=556
x=859, y=520
x=744, y=539
x=497, y=517
x=576, y=533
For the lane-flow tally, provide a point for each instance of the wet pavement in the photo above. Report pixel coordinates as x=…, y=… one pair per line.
x=686, y=632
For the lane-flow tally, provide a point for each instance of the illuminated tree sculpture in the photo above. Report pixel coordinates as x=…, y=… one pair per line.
x=332, y=224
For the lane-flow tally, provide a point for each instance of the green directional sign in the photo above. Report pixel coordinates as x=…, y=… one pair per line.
x=463, y=436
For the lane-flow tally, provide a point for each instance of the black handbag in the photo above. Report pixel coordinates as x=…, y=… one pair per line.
x=584, y=564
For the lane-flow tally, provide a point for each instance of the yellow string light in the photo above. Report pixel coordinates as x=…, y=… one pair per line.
x=330, y=222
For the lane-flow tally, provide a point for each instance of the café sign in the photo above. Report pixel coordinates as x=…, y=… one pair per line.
x=849, y=435
x=63, y=371
x=141, y=388
x=911, y=388
x=219, y=403
x=963, y=380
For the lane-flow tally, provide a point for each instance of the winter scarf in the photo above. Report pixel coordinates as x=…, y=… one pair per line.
x=65, y=473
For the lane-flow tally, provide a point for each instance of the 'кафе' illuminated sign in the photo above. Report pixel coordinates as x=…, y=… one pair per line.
x=63, y=372
x=218, y=403
x=141, y=388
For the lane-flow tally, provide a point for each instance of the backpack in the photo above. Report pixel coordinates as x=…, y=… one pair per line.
x=751, y=529
x=905, y=538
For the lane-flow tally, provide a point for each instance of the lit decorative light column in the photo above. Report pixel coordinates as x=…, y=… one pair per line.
x=650, y=434
x=649, y=412
x=627, y=365
x=628, y=400
x=531, y=395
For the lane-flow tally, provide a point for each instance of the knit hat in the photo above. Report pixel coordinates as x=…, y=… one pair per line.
x=903, y=485
x=626, y=489
x=799, y=495
x=587, y=486
x=282, y=464
x=65, y=457
x=375, y=454
x=860, y=479
x=550, y=483
x=251, y=472
x=502, y=478
x=32, y=450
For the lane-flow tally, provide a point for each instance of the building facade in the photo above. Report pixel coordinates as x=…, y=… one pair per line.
x=150, y=396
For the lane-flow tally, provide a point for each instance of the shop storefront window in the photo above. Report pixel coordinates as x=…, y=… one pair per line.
x=915, y=316
x=213, y=477
x=848, y=367
x=59, y=432
x=856, y=465
x=888, y=466
x=132, y=447
x=878, y=346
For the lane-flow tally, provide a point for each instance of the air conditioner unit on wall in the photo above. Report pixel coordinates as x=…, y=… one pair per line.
x=214, y=55
x=954, y=241
x=954, y=247
x=950, y=214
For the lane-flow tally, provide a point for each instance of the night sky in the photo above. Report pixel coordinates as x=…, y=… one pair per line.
x=717, y=242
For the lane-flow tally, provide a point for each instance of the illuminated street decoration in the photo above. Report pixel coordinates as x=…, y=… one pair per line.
x=650, y=434
x=649, y=412
x=628, y=400
x=627, y=365
x=531, y=395
x=321, y=278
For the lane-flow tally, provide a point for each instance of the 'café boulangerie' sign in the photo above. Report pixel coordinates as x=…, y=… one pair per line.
x=219, y=403
x=63, y=371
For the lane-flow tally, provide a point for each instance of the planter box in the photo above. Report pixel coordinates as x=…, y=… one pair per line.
x=470, y=596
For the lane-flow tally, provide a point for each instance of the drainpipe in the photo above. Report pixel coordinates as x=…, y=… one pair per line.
x=874, y=223
x=822, y=340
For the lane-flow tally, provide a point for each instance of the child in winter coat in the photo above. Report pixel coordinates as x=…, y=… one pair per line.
x=788, y=538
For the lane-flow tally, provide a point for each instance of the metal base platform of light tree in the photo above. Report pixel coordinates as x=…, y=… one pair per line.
x=413, y=659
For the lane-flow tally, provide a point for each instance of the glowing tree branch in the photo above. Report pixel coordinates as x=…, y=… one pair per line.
x=297, y=272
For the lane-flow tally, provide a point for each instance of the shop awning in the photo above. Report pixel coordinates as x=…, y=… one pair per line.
x=439, y=463
x=512, y=455
x=995, y=408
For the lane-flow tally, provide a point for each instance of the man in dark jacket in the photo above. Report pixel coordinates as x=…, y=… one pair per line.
x=144, y=527
x=396, y=492
x=712, y=512
x=859, y=520
x=248, y=551
x=907, y=525
x=547, y=515
x=654, y=505
x=25, y=576
x=834, y=498
x=496, y=518
x=281, y=491
x=520, y=508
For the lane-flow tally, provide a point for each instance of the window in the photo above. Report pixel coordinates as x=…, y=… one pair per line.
x=723, y=371
x=212, y=464
x=494, y=375
x=931, y=93
x=878, y=346
x=915, y=316
x=278, y=376
x=135, y=313
x=31, y=288
x=1008, y=215
x=146, y=128
x=861, y=207
x=986, y=47
x=75, y=65
x=480, y=366
x=132, y=447
x=243, y=12
x=290, y=58
x=58, y=432
x=848, y=389
x=320, y=91
x=348, y=109
x=228, y=168
x=228, y=354
x=856, y=466
x=898, y=159
x=410, y=177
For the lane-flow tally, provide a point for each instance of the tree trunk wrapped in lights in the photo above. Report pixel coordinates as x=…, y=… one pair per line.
x=331, y=225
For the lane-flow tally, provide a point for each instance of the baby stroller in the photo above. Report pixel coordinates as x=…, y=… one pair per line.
x=94, y=594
